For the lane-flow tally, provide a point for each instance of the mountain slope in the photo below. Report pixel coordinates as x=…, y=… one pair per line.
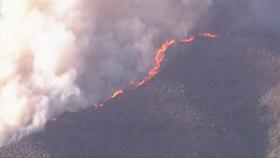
x=213, y=98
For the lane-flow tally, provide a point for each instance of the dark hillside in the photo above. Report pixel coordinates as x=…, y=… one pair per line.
x=213, y=98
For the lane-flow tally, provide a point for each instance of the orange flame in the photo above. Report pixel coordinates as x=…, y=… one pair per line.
x=209, y=34
x=189, y=39
x=117, y=93
x=158, y=58
x=114, y=95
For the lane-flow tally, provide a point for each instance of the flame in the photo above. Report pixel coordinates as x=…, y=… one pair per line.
x=209, y=34
x=158, y=58
x=35, y=38
x=117, y=93
x=114, y=95
x=189, y=39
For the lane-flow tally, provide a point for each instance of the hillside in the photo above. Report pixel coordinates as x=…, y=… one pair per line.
x=213, y=98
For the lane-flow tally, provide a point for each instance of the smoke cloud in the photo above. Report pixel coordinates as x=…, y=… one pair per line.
x=58, y=56
x=254, y=18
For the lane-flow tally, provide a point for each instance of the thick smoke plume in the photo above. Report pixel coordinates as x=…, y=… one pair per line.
x=58, y=55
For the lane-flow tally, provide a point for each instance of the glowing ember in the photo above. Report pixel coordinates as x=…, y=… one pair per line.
x=209, y=34
x=189, y=39
x=117, y=93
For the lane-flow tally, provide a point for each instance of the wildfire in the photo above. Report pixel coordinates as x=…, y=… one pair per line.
x=158, y=58
x=209, y=34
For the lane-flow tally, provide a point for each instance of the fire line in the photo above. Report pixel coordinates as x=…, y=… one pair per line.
x=158, y=58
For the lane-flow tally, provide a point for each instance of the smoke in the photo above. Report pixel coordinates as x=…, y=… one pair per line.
x=58, y=56
x=266, y=16
x=254, y=18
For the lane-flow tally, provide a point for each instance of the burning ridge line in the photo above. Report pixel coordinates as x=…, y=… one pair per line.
x=158, y=58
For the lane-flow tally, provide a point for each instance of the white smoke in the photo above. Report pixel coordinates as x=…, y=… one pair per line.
x=58, y=56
